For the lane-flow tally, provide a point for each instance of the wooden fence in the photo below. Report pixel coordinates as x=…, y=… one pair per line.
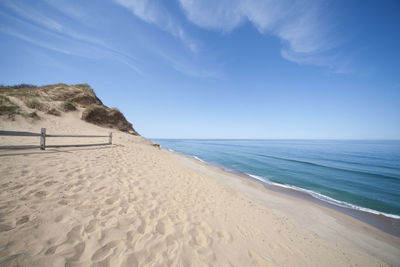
x=43, y=137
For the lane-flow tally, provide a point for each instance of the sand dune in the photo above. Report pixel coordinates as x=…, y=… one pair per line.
x=131, y=204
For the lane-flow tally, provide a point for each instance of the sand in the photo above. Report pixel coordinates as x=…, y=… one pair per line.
x=131, y=204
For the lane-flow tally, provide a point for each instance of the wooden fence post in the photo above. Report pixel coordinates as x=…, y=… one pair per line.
x=110, y=138
x=43, y=139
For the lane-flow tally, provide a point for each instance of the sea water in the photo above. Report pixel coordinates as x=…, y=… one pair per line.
x=362, y=175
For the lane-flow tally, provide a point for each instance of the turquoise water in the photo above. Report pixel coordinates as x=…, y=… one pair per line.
x=362, y=175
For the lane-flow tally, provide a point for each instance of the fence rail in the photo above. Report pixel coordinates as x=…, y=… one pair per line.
x=43, y=136
x=14, y=133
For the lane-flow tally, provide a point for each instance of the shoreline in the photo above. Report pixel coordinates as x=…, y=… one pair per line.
x=380, y=221
x=131, y=204
x=386, y=224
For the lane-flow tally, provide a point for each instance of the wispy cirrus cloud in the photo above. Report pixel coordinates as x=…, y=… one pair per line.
x=38, y=18
x=17, y=34
x=70, y=47
x=79, y=44
x=154, y=12
x=298, y=24
x=67, y=8
x=188, y=68
x=33, y=15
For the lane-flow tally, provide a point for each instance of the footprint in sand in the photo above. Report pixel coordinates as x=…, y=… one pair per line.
x=164, y=226
x=77, y=252
x=16, y=187
x=258, y=259
x=206, y=227
x=111, y=200
x=59, y=218
x=114, y=247
x=85, y=207
x=24, y=172
x=92, y=226
x=199, y=238
x=5, y=185
x=49, y=183
x=41, y=194
x=142, y=227
x=23, y=219
x=75, y=234
x=63, y=202
x=225, y=237
x=6, y=227
x=51, y=250
x=106, y=212
x=78, y=189
x=100, y=189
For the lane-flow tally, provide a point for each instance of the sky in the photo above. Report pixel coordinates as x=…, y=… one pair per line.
x=279, y=69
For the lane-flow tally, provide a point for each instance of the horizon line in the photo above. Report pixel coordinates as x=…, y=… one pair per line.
x=288, y=139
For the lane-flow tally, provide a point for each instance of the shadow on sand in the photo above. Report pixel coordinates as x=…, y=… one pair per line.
x=29, y=151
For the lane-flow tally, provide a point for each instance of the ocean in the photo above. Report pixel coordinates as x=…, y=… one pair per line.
x=354, y=174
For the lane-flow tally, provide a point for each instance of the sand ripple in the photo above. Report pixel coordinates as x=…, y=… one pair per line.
x=135, y=205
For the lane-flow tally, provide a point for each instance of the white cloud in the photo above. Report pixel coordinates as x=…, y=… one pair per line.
x=152, y=11
x=79, y=44
x=146, y=10
x=192, y=70
x=302, y=34
x=186, y=65
x=36, y=42
x=226, y=15
x=33, y=15
x=40, y=19
x=214, y=14
x=298, y=24
x=69, y=48
x=68, y=9
x=335, y=63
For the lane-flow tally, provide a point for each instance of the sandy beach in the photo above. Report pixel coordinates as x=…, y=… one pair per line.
x=196, y=133
x=131, y=204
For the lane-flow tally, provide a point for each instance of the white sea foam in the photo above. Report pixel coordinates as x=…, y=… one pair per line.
x=199, y=159
x=171, y=150
x=324, y=198
x=257, y=177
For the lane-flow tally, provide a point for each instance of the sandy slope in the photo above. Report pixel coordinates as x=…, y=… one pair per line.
x=131, y=204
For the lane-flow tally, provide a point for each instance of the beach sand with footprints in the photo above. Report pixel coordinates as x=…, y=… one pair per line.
x=132, y=204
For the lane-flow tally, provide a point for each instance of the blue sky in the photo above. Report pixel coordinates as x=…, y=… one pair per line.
x=218, y=69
